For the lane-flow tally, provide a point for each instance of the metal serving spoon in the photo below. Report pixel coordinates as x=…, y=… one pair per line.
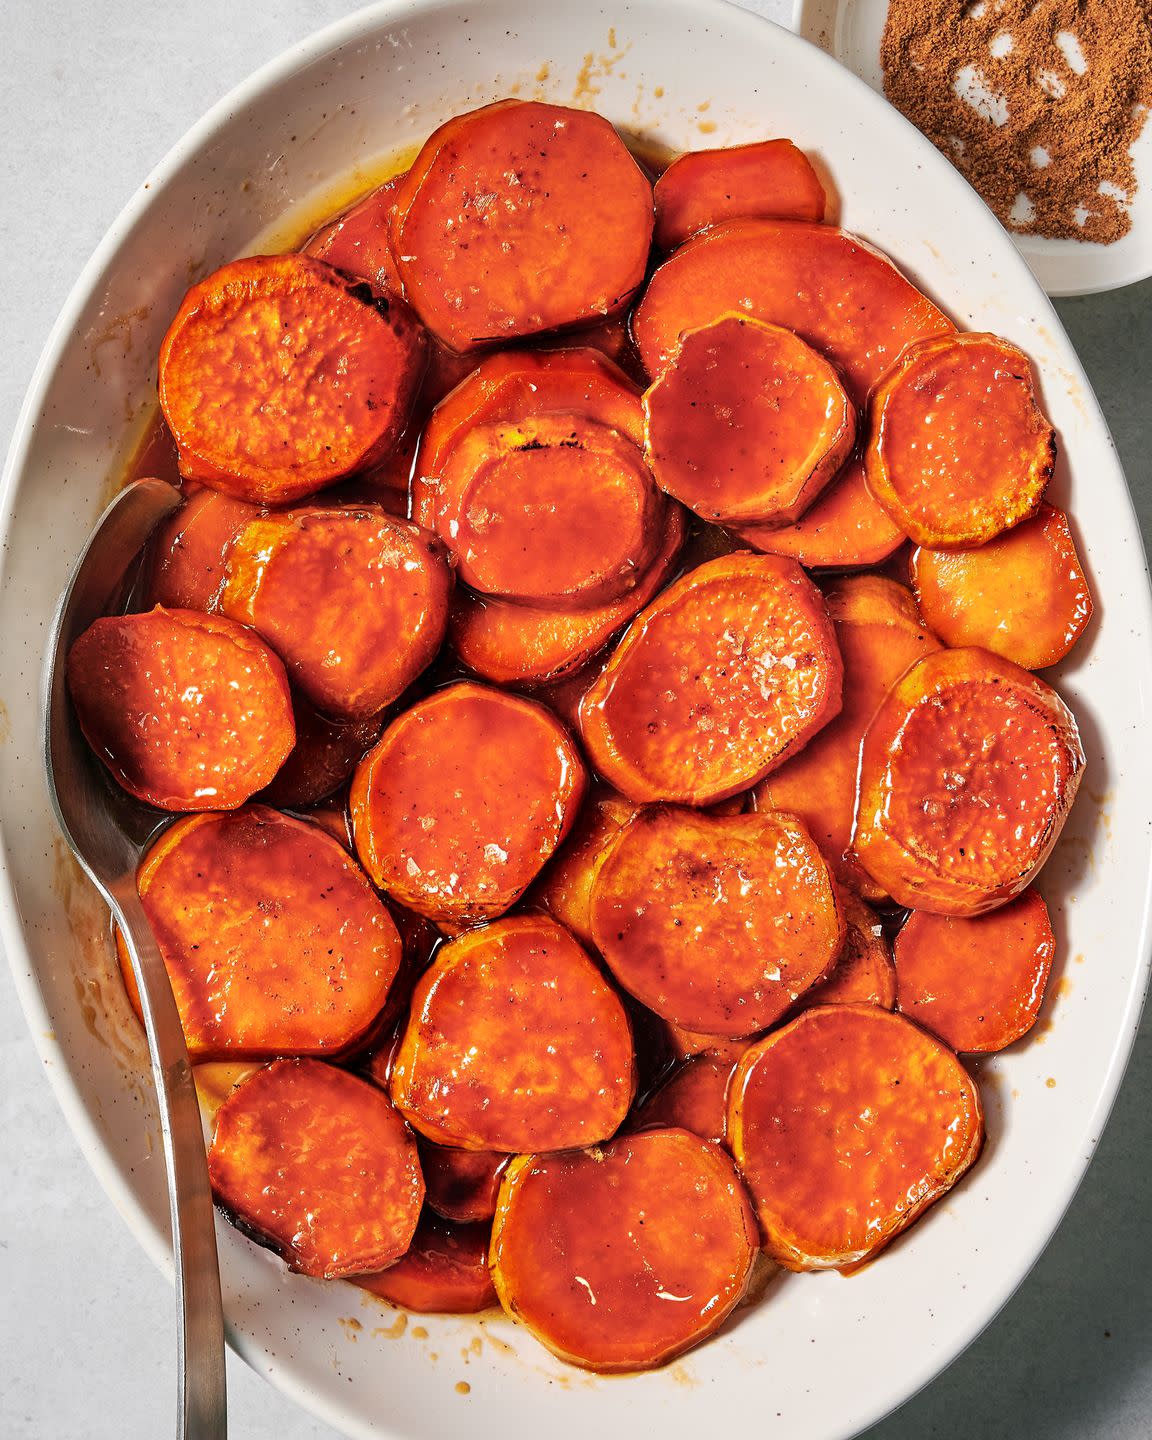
x=107, y=829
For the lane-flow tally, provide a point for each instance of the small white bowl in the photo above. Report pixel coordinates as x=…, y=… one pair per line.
x=822, y=1356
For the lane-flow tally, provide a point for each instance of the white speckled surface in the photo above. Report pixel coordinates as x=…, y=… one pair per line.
x=92, y=97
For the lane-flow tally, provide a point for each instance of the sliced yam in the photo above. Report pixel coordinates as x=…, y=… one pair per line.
x=683, y=1044
x=623, y=1257
x=464, y=799
x=515, y=1042
x=770, y=179
x=1023, y=595
x=331, y=817
x=358, y=241
x=188, y=550
x=325, y=754
x=317, y=1165
x=565, y=888
x=864, y=973
x=445, y=1271
x=845, y=299
x=724, y=676
x=693, y=1098
x=611, y=337
x=847, y=1125
x=553, y=510
x=515, y=386
x=880, y=634
x=958, y=448
x=354, y=601
x=186, y=711
x=845, y=529
x=976, y=981
x=717, y=923
x=280, y=375
x=967, y=773
x=517, y=644
x=747, y=422
x=461, y=1185
x=216, y=1079
x=274, y=941
x=518, y=218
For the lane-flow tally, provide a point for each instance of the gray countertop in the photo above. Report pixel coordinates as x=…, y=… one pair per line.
x=92, y=96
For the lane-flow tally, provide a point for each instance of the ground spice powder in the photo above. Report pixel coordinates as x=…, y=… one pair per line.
x=1036, y=102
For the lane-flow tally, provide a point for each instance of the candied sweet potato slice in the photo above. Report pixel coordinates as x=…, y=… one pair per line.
x=842, y=297
x=846, y=1125
x=317, y=1165
x=682, y=1044
x=186, y=711
x=565, y=888
x=769, y=179
x=514, y=644
x=324, y=756
x=552, y=510
x=515, y=1042
x=1023, y=595
x=967, y=773
x=880, y=634
x=517, y=385
x=280, y=375
x=358, y=241
x=747, y=422
x=623, y=1257
x=274, y=941
x=976, y=981
x=864, y=973
x=354, y=600
x=727, y=673
x=461, y=1185
x=694, y=1098
x=518, y=218
x=845, y=529
x=445, y=1271
x=958, y=448
x=717, y=923
x=466, y=796
x=188, y=550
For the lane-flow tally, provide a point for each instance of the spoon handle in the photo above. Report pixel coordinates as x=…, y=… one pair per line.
x=202, y=1403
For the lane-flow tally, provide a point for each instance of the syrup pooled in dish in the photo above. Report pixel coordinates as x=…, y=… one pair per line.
x=561, y=768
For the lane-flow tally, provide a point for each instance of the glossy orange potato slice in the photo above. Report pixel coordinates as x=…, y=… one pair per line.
x=693, y=1098
x=844, y=529
x=845, y=299
x=1023, y=595
x=731, y=670
x=976, y=981
x=355, y=601
x=864, y=973
x=274, y=941
x=513, y=644
x=515, y=1042
x=747, y=423
x=280, y=375
x=358, y=241
x=325, y=754
x=445, y=1271
x=683, y=1044
x=466, y=796
x=623, y=1257
x=187, y=551
x=518, y=218
x=958, y=448
x=317, y=1165
x=846, y=1125
x=880, y=633
x=461, y=1185
x=552, y=510
x=517, y=385
x=967, y=773
x=770, y=179
x=565, y=888
x=186, y=711
x=717, y=923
